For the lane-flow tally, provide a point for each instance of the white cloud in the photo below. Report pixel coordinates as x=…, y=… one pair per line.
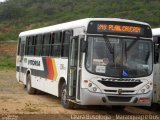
x=2, y=0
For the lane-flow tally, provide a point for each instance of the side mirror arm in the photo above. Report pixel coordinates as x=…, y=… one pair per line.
x=83, y=45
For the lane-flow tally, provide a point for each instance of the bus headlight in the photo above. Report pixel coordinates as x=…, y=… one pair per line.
x=147, y=86
x=145, y=89
x=90, y=85
x=93, y=88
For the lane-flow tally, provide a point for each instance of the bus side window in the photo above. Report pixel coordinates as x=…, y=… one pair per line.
x=26, y=47
x=57, y=37
x=38, y=47
x=46, y=44
x=34, y=45
x=65, y=43
x=52, y=38
x=19, y=43
x=56, y=44
x=156, y=49
x=31, y=45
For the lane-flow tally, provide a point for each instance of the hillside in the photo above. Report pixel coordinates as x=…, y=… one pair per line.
x=20, y=15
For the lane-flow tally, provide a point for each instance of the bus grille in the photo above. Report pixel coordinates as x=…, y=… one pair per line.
x=119, y=84
x=119, y=99
x=123, y=91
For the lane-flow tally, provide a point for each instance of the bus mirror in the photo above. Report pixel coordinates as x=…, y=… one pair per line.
x=83, y=45
x=156, y=53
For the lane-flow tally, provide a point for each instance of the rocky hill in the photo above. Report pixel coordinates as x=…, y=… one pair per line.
x=21, y=15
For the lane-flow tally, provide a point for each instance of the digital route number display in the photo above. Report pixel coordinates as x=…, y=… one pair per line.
x=118, y=28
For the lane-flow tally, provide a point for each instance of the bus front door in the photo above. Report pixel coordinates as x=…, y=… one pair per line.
x=22, y=48
x=73, y=86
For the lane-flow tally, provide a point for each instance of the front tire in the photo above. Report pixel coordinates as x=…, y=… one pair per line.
x=65, y=103
x=30, y=90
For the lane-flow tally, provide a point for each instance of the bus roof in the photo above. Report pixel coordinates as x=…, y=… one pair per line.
x=74, y=24
x=156, y=31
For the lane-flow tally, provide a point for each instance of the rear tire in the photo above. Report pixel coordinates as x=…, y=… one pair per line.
x=65, y=103
x=30, y=90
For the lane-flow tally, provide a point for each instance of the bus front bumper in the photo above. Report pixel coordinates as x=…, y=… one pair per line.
x=90, y=98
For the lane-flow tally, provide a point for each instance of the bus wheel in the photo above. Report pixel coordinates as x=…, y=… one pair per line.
x=65, y=103
x=30, y=90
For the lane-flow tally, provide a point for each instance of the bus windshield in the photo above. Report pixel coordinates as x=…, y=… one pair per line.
x=119, y=57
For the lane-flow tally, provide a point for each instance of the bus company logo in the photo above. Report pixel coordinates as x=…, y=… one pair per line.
x=34, y=62
x=120, y=91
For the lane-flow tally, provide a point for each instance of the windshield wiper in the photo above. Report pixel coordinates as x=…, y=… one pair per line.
x=132, y=44
x=108, y=44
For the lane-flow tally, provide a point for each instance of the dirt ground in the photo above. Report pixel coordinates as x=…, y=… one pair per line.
x=16, y=104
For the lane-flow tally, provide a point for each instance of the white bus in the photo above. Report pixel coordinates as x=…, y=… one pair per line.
x=92, y=61
x=156, y=78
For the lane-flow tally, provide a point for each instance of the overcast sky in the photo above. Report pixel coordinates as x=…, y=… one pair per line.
x=2, y=0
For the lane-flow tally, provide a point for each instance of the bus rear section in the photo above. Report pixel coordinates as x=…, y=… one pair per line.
x=156, y=78
x=109, y=62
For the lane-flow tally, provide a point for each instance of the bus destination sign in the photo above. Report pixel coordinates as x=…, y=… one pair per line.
x=119, y=28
